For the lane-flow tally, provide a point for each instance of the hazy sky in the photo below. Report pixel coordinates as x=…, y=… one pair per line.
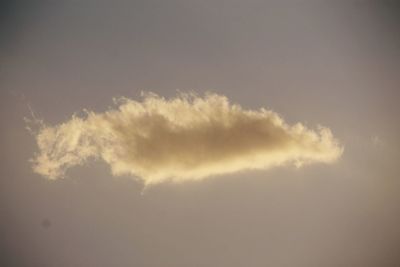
x=334, y=63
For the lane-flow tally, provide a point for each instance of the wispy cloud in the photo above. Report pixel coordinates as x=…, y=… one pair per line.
x=185, y=138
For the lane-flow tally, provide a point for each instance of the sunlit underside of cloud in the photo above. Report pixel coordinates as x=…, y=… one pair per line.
x=180, y=139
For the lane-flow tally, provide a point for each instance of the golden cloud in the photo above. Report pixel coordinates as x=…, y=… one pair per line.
x=180, y=139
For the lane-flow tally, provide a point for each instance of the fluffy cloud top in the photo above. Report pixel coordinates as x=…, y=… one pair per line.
x=180, y=139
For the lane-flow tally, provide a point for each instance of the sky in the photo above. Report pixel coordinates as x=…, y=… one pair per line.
x=324, y=63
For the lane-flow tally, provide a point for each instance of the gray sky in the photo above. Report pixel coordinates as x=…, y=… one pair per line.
x=334, y=63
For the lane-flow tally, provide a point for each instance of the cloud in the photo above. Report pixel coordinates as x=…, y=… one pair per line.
x=180, y=139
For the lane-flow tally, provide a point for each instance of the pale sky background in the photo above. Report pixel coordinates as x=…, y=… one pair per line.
x=334, y=63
